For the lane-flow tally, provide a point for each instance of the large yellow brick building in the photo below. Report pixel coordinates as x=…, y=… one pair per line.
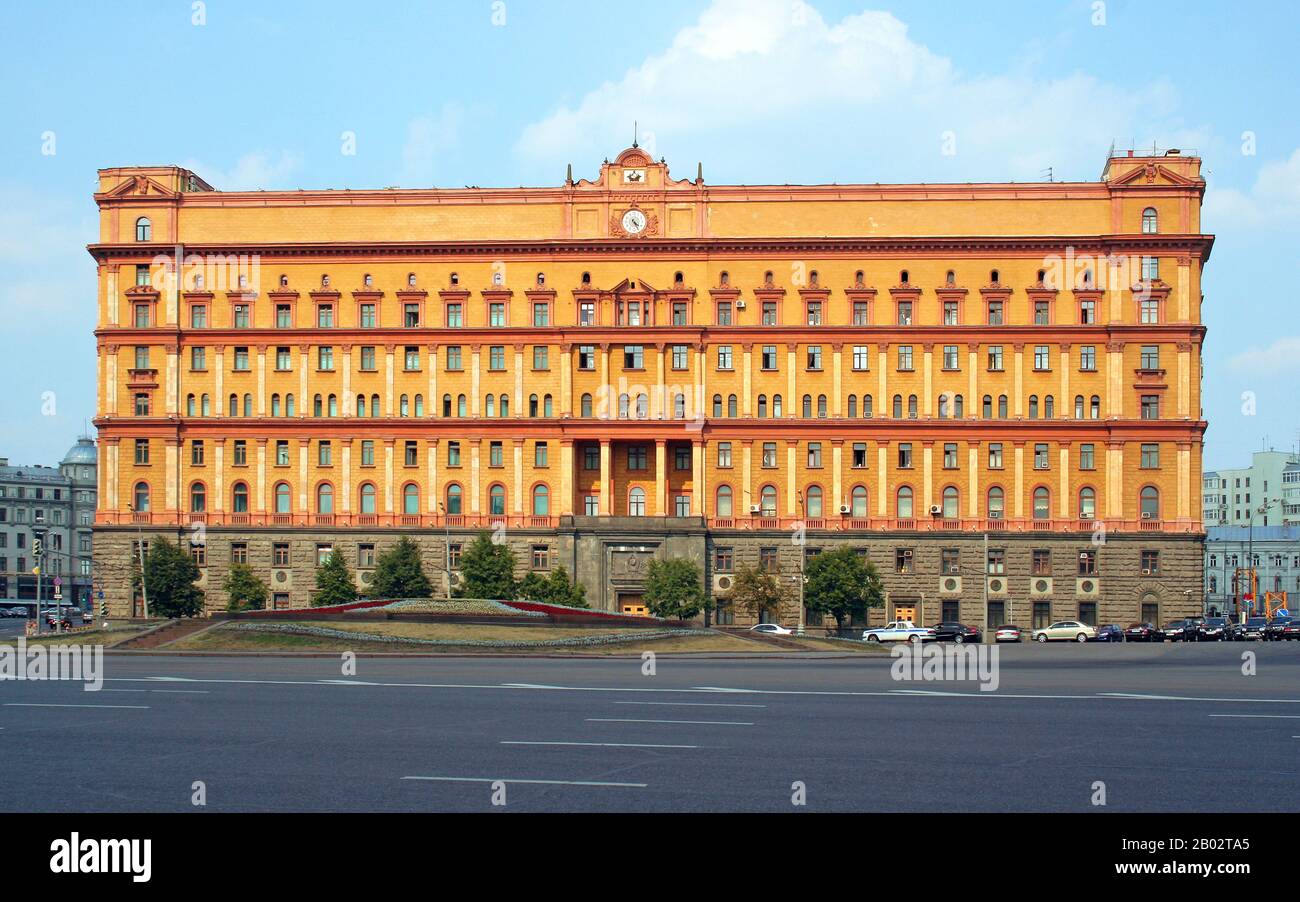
x=639, y=366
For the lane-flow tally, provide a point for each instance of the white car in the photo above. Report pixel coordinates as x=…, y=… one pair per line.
x=1066, y=631
x=899, y=631
x=771, y=629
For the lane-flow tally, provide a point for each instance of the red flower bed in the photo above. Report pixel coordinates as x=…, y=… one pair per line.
x=332, y=609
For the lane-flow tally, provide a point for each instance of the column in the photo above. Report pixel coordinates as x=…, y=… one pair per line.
x=304, y=402
x=747, y=487
x=1184, y=509
x=837, y=406
x=657, y=396
x=517, y=490
x=388, y=380
x=927, y=380
x=473, y=383
x=1115, y=480
x=1183, y=407
x=837, y=476
x=1019, y=397
x=927, y=477
x=219, y=374
x=793, y=404
x=219, y=476
x=349, y=402
x=110, y=378
x=746, y=383
x=882, y=399
x=972, y=480
x=434, y=404
x=698, y=489
x=661, y=480
x=388, y=469
x=1066, y=403
x=173, y=398
x=474, y=444
x=791, y=478
x=519, y=384
x=701, y=387
x=432, y=495
x=882, y=481
x=304, y=447
x=260, y=494
x=974, y=402
x=343, y=503
x=566, y=386
x=1064, y=506
x=1020, y=480
x=606, y=495
x=172, y=464
x=1114, y=379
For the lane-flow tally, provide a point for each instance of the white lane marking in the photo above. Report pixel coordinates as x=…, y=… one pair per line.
x=48, y=705
x=718, y=723
x=608, y=745
x=1270, y=716
x=535, y=782
x=167, y=691
x=695, y=704
x=706, y=690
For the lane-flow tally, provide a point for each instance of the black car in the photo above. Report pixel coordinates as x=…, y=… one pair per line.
x=1273, y=632
x=955, y=632
x=1143, y=632
x=1181, y=631
x=1291, y=630
x=1215, y=629
x=1253, y=630
x=1111, y=632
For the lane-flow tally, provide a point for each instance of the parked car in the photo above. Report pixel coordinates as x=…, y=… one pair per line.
x=1181, y=631
x=1215, y=629
x=1143, y=632
x=1253, y=630
x=1291, y=630
x=1273, y=632
x=956, y=632
x=1111, y=632
x=1007, y=633
x=771, y=629
x=1065, y=630
x=899, y=631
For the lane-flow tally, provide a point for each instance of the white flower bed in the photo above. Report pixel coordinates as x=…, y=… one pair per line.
x=457, y=606
x=300, y=629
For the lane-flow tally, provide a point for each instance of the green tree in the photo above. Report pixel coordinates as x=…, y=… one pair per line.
x=674, y=589
x=399, y=574
x=758, y=592
x=334, y=583
x=170, y=576
x=487, y=570
x=841, y=583
x=246, y=591
x=552, y=589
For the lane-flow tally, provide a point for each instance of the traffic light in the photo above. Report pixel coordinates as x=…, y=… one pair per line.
x=38, y=547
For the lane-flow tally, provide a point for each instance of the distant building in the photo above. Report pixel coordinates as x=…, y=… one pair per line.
x=1274, y=550
x=61, y=502
x=1234, y=497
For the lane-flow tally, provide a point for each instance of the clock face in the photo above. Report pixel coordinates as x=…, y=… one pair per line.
x=633, y=222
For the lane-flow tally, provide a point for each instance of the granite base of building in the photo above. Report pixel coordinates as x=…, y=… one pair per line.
x=928, y=576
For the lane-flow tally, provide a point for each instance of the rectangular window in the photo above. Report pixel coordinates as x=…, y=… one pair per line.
x=724, y=357
x=950, y=358
x=541, y=557
x=454, y=362
x=997, y=562
x=724, y=454
x=283, y=359
x=1150, y=563
x=814, y=313
x=243, y=315
x=995, y=313
x=238, y=552
x=496, y=454
x=904, y=455
x=1087, y=311
x=411, y=454
x=904, y=358
x=241, y=360
x=541, y=314
x=325, y=316
x=950, y=313
x=325, y=358
x=633, y=357
x=861, y=358
x=768, y=561
x=1042, y=358
x=904, y=313
x=637, y=457
x=142, y=451
x=591, y=457
x=586, y=357
x=995, y=455
x=283, y=316
x=587, y=313
x=196, y=452
x=541, y=357
x=682, y=458
x=1041, y=562
x=280, y=554
x=281, y=453
x=861, y=314
x=1150, y=359
x=455, y=316
x=950, y=562
x=995, y=358
x=859, y=455
x=367, y=452
x=497, y=358
x=814, y=455
x=324, y=454
x=724, y=559
x=199, y=316
x=724, y=313
x=1087, y=457
x=1088, y=358
x=950, y=456
x=368, y=316
x=1042, y=460
x=1042, y=313
x=496, y=315
x=769, y=455
x=453, y=454
x=679, y=357
x=814, y=357
x=1150, y=457
x=769, y=313
x=411, y=316
x=768, y=361
x=411, y=358
x=198, y=359
x=904, y=560
x=367, y=362
x=540, y=455
x=1150, y=407
x=1088, y=563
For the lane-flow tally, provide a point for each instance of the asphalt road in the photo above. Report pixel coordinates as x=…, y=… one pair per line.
x=1164, y=727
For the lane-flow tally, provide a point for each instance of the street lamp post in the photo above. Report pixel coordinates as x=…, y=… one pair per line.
x=39, y=555
x=802, y=560
x=139, y=547
x=442, y=509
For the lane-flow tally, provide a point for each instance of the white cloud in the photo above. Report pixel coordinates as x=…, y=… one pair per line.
x=427, y=138
x=759, y=79
x=1283, y=355
x=1274, y=198
x=252, y=172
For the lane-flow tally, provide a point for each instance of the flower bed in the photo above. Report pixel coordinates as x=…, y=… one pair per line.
x=332, y=609
x=299, y=629
x=543, y=608
x=457, y=606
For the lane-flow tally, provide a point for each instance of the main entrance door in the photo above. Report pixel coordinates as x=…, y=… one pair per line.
x=632, y=603
x=905, y=612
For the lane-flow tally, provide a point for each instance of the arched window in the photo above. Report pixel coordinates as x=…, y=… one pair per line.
x=642, y=406
x=625, y=405
x=239, y=498
x=462, y=406
x=853, y=405
x=142, y=497
x=334, y=406
x=205, y=406
x=958, y=407
x=859, y=506
x=367, y=498
x=497, y=500
x=943, y=406
x=283, y=498
x=866, y=406
x=762, y=407
x=248, y=405
x=198, y=497
x=988, y=407
x=374, y=406
x=361, y=405
x=951, y=503
x=1150, y=222
x=732, y=409
x=821, y=407
x=234, y=405
x=548, y=409
x=446, y=405
x=1087, y=503
x=453, y=499
x=144, y=229
x=723, y=506
x=325, y=498
x=275, y=405
x=490, y=406
x=813, y=503
x=419, y=405
x=1150, y=502
x=807, y=407
x=1078, y=407
x=767, y=501
x=404, y=406
x=189, y=405
x=636, y=502
x=533, y=407
x=410, y=499
x=586, y=406
x=1042, y=503
x=1002, y=407
x=1094, y=408
x=1049, y=407
x=679, y=406
x=911, y=407
x=717, y=406
x=997, y=503
x=776, y=407
x=904, y=503
x=1033, y=407
x=898, y=407
x=541, y=500
x=288, y=404
x=505, y=405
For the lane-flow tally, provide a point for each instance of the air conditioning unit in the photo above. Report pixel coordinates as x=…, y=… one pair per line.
x=740, y=305
x=845, y=509
x=722, y=582
x=1146, y=571
x=1040, y=585
x=755, y=509
x=907, y=552
x=1146, y=515
x=995, y=515
x=950, y=585
x=1088, y=586
x=997, y=585
x=935, y=510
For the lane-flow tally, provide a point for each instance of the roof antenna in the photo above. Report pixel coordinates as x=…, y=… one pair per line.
x=1048, y=172
x=634, y=134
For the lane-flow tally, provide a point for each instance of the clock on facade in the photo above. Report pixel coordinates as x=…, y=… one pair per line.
x=634, y=222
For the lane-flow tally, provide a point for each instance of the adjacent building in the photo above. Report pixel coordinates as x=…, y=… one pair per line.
x=1274, y=552
x=991, y=390
x=1267, y=493
x=57, y=504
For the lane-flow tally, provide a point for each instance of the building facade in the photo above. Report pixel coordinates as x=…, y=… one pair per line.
x=57, y=503
x=1267, y=493
x=636, y=366
x=1274, y=552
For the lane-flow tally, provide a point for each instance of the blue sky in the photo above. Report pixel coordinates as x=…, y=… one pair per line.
x=483, y=93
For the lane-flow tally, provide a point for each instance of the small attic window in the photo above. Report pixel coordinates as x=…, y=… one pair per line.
x=1042, y=277
x=678, y=279
x=995, y=278
x=498, y=278
x=325, y=281
x=904, y=278
x=859, y=279
x=768, y=279
x=541, y=279
x=143, y=229
x=284, y=281
x=724, y=279
x=410, y=279
x=586, y=278
x=368, y=280
x=951, y=279
x=812, y=279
